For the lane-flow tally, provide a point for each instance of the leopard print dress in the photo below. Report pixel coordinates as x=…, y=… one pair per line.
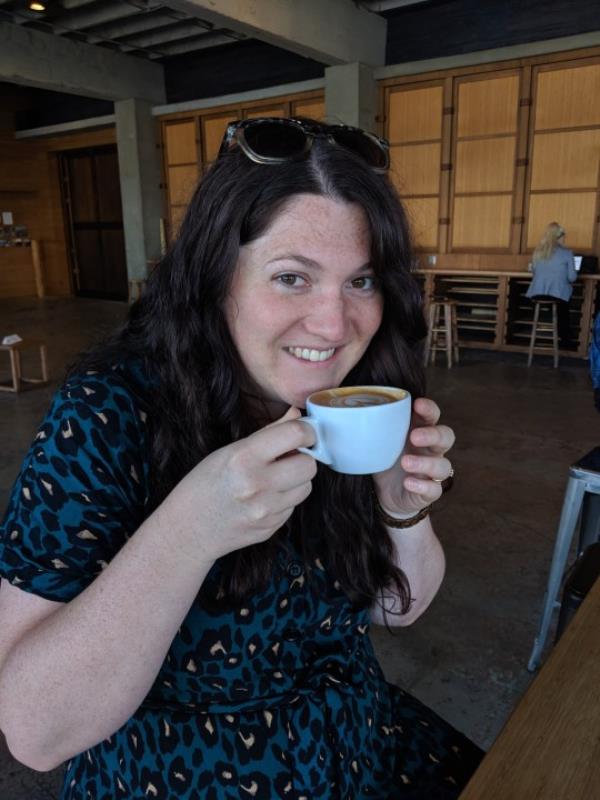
x=279, y=698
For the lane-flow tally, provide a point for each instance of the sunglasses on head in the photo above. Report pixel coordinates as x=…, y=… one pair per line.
x=275, y=140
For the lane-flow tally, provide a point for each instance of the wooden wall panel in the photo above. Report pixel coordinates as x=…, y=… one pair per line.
x=566, y=160
x=576, y=212
x=423, y=217
x=180, y=142
x=315, y=109
x=182, y=182
x=482, y=222
x=485, y=165
x=415, y=169
x=415, y=115
x=35, y=199
x=272, y=111
x=568, y=97
x=213, y=129
x=488, y=106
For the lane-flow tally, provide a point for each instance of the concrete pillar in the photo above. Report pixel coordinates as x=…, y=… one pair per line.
x=351, y=95
x=139, y=169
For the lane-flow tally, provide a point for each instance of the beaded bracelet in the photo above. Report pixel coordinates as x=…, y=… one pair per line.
x=394, y=522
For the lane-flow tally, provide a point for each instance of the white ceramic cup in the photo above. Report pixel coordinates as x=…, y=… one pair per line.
x=360, y=429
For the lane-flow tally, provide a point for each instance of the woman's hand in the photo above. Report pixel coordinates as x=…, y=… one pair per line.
x=415, y=479
x=244, y=492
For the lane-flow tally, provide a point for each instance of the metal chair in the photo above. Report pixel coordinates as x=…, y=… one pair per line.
x=582, y=499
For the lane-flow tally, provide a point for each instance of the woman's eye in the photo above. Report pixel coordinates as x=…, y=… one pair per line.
x=365, y=282
x=290, y=279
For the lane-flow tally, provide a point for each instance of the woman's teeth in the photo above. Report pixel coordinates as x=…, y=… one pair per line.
x=311, y=355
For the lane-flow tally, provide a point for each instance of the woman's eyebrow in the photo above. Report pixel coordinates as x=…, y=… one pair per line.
x=311, y=263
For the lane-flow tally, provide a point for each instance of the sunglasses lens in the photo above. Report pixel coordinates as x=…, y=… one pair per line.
x=276, y=140
x=369, y=149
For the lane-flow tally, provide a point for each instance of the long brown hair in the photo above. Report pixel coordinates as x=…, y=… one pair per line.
x=178, y=330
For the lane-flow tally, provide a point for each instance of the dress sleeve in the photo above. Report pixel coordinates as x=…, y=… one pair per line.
x=82, y=490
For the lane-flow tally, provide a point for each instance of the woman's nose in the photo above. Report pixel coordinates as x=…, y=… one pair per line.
x=328, y=318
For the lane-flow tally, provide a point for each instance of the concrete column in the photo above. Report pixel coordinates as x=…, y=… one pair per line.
x=351, y=95
x=139, y=168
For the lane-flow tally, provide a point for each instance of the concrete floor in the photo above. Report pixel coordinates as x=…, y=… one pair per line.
x=517, y=431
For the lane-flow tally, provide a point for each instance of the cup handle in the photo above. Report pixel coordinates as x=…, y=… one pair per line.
x=318, y=450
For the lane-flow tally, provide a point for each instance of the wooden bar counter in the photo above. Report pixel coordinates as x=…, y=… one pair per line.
x=550, y=747
x=21, y=273
x=493, y=313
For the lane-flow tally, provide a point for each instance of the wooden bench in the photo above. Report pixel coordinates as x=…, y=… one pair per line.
x=17, y=378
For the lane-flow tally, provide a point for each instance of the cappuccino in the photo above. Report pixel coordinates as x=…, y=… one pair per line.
x=356, y=397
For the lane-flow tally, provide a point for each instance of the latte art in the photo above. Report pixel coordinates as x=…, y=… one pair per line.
x=357, y=396
x=359, y=400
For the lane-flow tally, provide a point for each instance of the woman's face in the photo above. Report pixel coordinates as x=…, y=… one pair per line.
x=303, y=303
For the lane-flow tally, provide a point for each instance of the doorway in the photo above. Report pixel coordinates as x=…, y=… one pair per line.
x=91, y=196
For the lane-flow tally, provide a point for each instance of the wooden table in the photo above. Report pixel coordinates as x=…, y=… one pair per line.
x=550, y=747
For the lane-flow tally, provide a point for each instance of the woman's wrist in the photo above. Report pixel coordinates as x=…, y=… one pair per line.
x=399, y=519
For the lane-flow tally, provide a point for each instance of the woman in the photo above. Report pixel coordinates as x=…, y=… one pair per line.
x=553, y=276
x=187, y=597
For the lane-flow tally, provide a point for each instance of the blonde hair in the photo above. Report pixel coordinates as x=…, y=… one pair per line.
x=548, y=242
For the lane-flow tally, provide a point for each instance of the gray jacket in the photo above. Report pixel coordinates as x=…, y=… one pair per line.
x=554, y=276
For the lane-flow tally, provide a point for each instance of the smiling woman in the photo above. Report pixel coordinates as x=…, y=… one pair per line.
x=186, y=596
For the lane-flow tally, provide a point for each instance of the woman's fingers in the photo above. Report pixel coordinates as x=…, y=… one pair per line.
x=437, y=439
x=425, y=412
x=427, y=467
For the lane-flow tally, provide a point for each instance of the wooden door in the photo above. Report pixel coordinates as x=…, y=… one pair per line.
x=92, y=201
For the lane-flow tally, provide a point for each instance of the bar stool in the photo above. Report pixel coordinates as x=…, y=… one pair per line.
x=582, y=496
x=442, y=331
x=544, y=327
x=17, y=377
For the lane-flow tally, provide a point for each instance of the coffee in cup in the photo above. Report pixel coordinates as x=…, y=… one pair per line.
x=360, y=430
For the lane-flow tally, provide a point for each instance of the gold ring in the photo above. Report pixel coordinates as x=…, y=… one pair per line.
x=443, y=480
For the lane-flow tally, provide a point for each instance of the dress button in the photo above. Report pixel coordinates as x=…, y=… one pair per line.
x=295, y=569
x=291, y=634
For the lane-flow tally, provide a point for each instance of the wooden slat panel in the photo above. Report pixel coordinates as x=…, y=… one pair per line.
x=176, y=216
x=315, y=109
x=182, y=182
x=568, y=97
x=415, y=115
x=16, y=272
x=488, y=106
x=575, y=211
x=180, y=142
x=485, y=165
x=423, y=215
x=213, y=128
x=267, y=111
x=415, y=169
x=566, y=160
x=482, y=221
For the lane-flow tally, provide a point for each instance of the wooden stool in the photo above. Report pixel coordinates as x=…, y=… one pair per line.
x=136, y=288
x=443, y=332
x=14, y=351
x=544, y=327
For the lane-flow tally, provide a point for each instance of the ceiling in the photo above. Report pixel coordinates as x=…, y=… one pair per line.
x=144, y=28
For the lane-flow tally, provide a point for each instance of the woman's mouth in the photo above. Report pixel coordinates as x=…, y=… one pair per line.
x=310, y=354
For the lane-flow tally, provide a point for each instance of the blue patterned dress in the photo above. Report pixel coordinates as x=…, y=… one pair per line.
x=281, y=697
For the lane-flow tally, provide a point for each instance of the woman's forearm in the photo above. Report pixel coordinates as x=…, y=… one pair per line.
x=419, y=554
x=77, y=676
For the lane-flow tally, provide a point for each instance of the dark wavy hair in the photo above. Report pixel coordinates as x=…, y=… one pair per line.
x=178, y=329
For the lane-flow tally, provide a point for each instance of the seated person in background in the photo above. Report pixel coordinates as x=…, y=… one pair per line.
x=553, y=276
x=186, y=598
